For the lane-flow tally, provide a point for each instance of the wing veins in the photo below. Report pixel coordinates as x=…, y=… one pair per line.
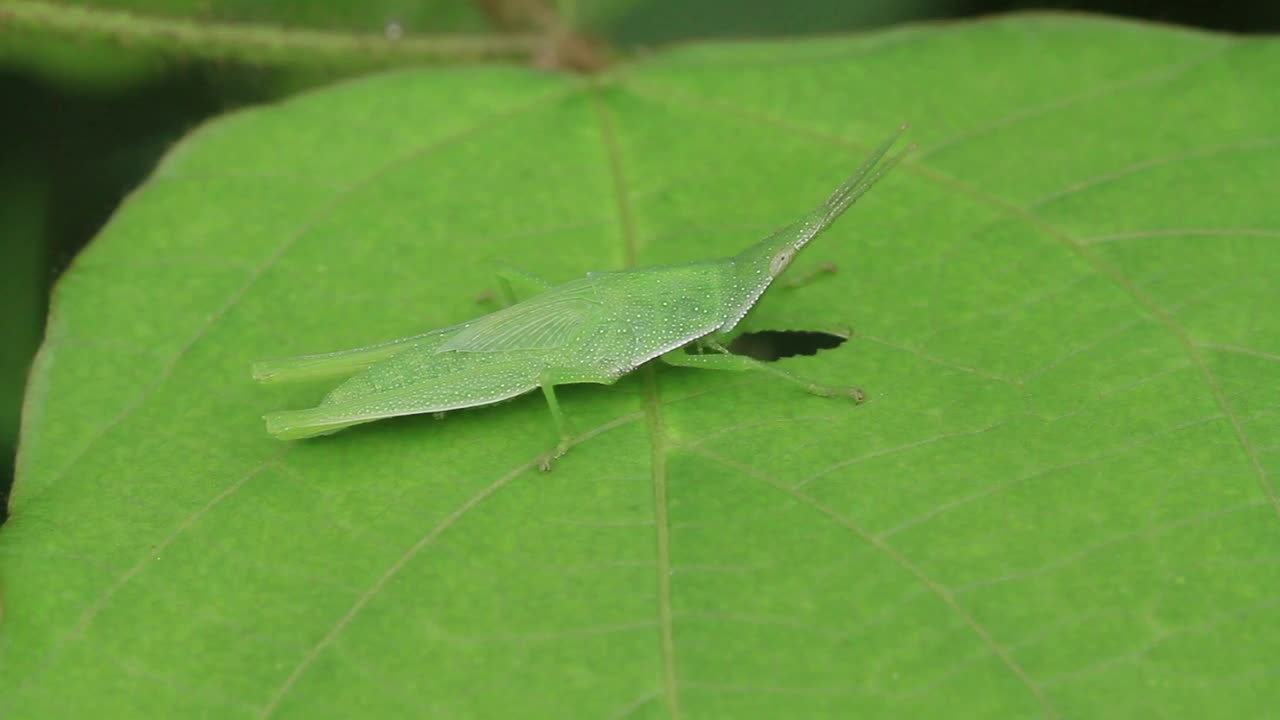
x=544, y=322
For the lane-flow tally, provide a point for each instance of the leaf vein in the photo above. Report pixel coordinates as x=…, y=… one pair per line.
x=946, y=595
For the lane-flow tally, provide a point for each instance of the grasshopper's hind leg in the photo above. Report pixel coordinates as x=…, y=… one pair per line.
x=509, y=277
x=722, y=359
x=333, y=364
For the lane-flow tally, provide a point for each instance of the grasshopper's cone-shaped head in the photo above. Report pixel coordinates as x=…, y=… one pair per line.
x=758, y=266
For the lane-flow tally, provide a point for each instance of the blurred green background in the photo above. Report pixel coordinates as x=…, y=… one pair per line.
x=96, y=91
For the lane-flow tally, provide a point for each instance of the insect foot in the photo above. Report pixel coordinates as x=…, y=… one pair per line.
x=552, y=455
x=853, y=393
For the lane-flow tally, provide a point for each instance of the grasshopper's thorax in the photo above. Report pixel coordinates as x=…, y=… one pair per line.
x=755, y=268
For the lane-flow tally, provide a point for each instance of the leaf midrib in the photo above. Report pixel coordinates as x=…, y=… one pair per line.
x=653, y=413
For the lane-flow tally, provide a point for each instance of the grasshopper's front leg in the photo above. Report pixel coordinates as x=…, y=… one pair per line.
x=826, y=268
x=722, y=359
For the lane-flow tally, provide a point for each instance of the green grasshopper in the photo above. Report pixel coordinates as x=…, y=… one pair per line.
x=591, y=330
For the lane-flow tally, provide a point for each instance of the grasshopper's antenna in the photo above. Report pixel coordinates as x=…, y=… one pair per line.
x=799, y=233
x=857, y=185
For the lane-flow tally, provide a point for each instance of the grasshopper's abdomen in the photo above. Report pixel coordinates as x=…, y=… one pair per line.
x=423, y=378
x=417, y=380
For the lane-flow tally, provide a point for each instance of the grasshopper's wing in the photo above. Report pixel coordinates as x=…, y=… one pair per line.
x=544, y=322
x=340, y=363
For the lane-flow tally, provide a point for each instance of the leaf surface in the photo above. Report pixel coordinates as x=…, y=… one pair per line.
x=1059, y=500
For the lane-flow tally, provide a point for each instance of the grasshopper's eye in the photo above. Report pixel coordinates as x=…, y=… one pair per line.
x=781, y=261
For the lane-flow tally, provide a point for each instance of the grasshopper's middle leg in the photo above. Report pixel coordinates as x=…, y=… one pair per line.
x=562, y=427
x=725, y=360
x=548, y=379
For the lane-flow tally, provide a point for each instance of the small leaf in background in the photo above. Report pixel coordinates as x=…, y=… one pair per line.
x=1059, y=501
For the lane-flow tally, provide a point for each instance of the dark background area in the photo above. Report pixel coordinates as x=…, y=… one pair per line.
x=80, y=130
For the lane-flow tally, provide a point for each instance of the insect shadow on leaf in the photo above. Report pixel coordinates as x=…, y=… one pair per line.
x=771, y=345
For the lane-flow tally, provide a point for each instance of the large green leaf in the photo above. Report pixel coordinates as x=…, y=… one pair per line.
x=1060, y=499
